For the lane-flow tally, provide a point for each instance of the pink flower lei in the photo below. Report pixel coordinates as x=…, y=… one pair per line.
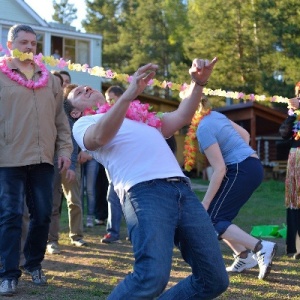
x=30, y=84
x=137, y=111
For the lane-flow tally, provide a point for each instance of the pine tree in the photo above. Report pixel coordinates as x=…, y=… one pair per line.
x=64, y=12
x=103, y=17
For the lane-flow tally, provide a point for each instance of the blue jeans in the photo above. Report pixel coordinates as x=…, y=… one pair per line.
x=34, y=181
x=159, y=213
x=89, y=175
x=114, y=213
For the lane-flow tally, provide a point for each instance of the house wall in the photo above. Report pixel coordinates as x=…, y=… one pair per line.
x=12, y=11
x=19, y=12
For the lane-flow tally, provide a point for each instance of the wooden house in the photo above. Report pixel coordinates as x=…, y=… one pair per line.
x=262, y=122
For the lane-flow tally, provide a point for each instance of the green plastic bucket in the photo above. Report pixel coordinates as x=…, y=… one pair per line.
x=265, y=231
x=282, y=231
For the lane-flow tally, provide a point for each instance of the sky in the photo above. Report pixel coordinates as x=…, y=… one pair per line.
x=45, y=10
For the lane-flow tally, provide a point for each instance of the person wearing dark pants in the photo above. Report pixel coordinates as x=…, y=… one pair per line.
x=289, y=130
x=35, y=126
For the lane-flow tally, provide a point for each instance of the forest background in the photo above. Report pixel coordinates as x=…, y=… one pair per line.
x=257, y=41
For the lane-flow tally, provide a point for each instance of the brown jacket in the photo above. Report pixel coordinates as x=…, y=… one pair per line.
x=33, y=123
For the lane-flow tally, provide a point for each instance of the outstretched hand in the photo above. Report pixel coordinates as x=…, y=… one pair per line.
x=140, y=80
x=201, y=70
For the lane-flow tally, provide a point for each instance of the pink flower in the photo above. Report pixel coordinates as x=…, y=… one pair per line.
x=62, y=63
x=150, y=82
x=241, y=95
x=39, y=57
x=252, y=97
x=30, y=84
x=183, y=87
x=109, y=74
x=169, y=84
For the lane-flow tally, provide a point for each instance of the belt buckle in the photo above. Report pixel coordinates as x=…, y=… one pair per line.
x=173, y=179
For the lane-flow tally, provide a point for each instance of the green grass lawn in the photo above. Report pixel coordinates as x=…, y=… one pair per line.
x=265, y=207
x=91, y=272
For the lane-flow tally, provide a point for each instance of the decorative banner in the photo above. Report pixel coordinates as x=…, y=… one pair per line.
x=109, y=74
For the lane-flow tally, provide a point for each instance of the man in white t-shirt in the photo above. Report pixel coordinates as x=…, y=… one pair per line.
x=158, y=204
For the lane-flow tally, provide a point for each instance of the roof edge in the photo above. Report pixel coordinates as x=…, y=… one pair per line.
x=32, y=12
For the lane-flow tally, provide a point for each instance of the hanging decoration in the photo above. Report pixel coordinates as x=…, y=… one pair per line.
x=109, y=74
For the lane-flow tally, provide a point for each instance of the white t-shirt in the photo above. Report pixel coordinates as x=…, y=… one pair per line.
x=137, y=153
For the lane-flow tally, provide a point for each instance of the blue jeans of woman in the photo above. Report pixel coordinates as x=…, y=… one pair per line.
x=159, y=212
x=89, y=175
x=36, y=182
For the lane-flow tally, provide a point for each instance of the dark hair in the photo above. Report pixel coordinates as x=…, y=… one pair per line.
x=62, y=72
x=68, y=106
x=117, y=90
x=55, y=73
x=14, y=30
x=68, y=89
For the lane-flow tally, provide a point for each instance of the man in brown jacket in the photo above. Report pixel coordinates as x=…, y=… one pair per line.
x=33, y=126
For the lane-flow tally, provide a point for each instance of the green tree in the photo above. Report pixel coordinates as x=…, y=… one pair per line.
x=103, y=17
x=282, y=18
x=230, y=33
x=255, y=41
x=151, y=33
x=136, y=32
x=64, y=12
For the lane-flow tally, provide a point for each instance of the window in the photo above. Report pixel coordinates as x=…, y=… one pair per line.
x=70, y=49
x=40, y=43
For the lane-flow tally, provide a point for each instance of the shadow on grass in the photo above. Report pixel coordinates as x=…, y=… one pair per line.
x=91, y=272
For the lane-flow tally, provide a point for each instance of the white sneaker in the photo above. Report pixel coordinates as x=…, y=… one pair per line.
x=241, y=264
x=264, y=258
x=52, y=248
x=14, y=284
x=79, y=243
x=6, y=288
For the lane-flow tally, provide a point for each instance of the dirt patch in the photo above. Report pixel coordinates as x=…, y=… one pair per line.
x=92, y=272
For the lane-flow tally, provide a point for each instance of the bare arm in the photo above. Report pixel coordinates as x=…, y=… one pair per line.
x=107, y=127
x=242, y=132
x=200, y=73
x=215, y=158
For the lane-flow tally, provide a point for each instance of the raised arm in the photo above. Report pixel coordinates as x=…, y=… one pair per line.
x=200, y=72
x=107, y=127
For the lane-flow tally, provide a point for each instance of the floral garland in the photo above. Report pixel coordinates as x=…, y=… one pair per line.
x=100, y=72
x=30, y=84
x=137, y=111
x=296, y=126
x=190, y=148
